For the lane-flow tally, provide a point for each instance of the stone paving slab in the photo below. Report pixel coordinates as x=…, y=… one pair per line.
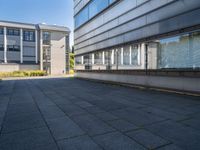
x=147, y=139
x=79, y=143
x=123, y=125
x=73, y=114
x=92, y=125
x=26, y=140
x=117, y=141
x=63, y=128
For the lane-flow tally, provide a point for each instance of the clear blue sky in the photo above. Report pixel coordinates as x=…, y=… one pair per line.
x=58, y=12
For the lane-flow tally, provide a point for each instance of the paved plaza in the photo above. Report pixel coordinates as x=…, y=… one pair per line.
x=74, y=114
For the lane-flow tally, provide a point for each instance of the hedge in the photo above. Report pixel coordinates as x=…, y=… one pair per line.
x=22, y=74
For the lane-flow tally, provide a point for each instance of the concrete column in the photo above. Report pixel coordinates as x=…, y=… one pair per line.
x=122, y=56
x=5, y=45
x=21, y=46
x=93, y=58
x=41, y=50
x=36, y=46
x=130, y=55
x=139, y=54
x=143, y=57
x=112, y=57
x=103, y=57
x=82, y=60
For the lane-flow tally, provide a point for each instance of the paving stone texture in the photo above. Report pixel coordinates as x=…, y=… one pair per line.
x=74, y=114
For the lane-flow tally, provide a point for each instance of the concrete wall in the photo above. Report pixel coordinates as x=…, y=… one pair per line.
x=58, y=53
x=17, y=67
x=176, y=83
x=130, y=20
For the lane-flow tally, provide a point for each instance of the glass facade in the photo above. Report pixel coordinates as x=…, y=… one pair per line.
x=177, y=52
x=92, y=9
x=180, y=52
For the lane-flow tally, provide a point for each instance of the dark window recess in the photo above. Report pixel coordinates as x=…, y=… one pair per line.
x=1, y=47
x=29, y=36
x=1, y=31
x=14, y=32
x=46, y=38
x=14, y=48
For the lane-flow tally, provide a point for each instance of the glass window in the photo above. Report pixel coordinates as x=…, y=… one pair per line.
x=173, y=52
x=46, y=38
x=92, y=9
x=1, y=47
x=126, y=55
x=1, y=31
x=107, y=56
x=29, y=36
x=98, y=56
x=13, y=48
x=180, y=52
x=87, y=59
x=97, y=6
x=135, y=55
x=82, y=17
x=117, y=56
x=14, y=32
x=78, y=60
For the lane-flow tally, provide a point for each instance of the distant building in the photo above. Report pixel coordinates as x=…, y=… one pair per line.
x=33, y=47
x=142, y=42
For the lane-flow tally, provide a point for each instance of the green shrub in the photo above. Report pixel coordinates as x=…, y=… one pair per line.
x=22, y=74
x=71, y=72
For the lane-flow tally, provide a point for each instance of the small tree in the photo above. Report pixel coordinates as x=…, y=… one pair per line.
x=71, y=55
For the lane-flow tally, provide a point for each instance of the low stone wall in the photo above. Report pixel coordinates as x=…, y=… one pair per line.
x=17, y=67
x=173, y=81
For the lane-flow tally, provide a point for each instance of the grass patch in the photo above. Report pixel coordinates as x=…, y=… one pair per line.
x=33, y=73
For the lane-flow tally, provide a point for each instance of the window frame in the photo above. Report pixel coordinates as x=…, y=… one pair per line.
x=13, y=48
x=13, y=32
x=27, y=36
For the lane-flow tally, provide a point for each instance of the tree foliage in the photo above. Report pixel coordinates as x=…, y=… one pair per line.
x=71, y=55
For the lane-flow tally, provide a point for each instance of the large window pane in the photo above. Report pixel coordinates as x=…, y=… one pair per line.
x=195, y=50
x=88, y=59
x=46, y=38
x=174, y=52
x=78, y=60
x=135, y=55
x=97, y=6
x=92, y=9
x=117, y=56
x=98, y=56
x=126, y=55
x=82, y=17
x=108, y=57
x=1, y=30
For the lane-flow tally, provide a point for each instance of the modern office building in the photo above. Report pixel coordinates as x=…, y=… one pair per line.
x=143, y=42
x=33, y=47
